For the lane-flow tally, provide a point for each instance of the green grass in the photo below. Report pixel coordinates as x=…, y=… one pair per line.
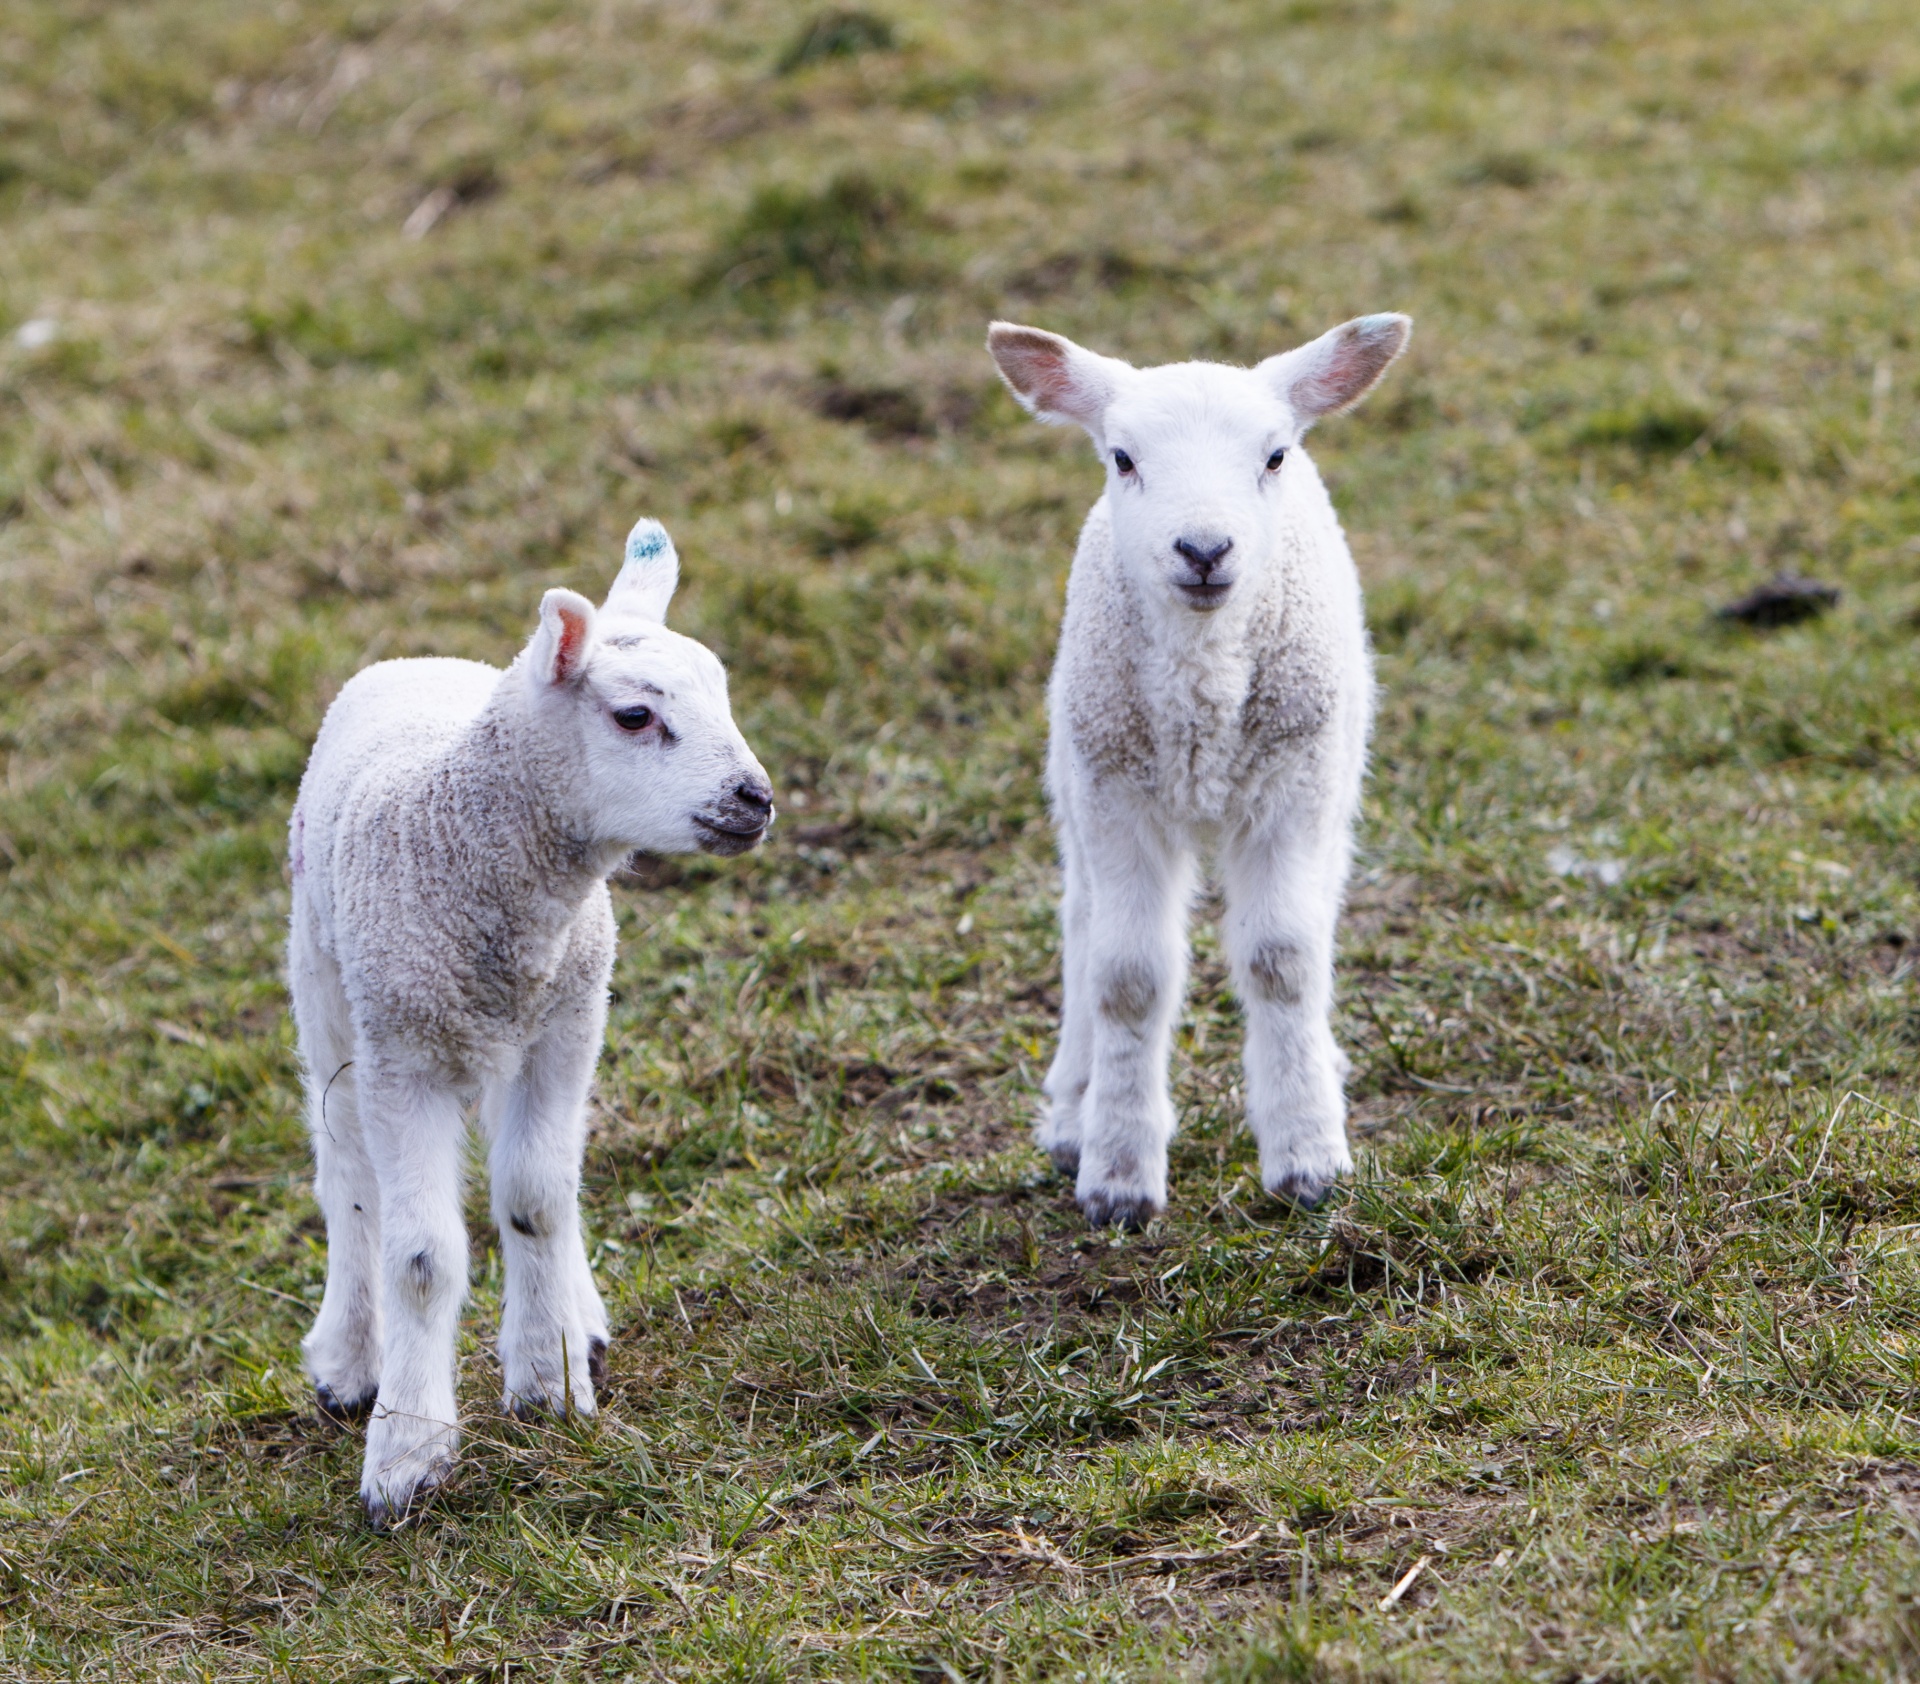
x=373, y=322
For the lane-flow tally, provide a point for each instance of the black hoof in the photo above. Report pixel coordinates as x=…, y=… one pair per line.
x=1303, y=1192
x=534, y=1409
x=1066, y=1159
x=342, y=1413
x=383, y=1516
x=1131, y=1212
x=597, y=1364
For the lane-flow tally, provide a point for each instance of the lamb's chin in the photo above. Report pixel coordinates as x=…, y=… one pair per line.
x=714, y=839
x=1203, y=599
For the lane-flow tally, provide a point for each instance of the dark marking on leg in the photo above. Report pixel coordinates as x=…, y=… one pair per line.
x=339, y=1411
x=1303, y=1192
x=420, y=1273
x=1066, y=1153
x=523, y=1225
x=1130, y=1211
x=1128, y=993
x=1278, y=972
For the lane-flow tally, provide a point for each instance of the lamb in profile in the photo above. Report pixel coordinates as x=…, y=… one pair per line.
x=1213, y=691
x=451, y=941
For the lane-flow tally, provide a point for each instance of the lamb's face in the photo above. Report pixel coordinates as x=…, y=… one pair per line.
x=667, y=767
x=1196, y=452
x=1196, y=461
x=638, y=719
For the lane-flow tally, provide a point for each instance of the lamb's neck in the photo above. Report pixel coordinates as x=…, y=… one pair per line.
x=504, y=798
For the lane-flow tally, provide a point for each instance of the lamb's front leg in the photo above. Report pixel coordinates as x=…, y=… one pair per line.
x=1283, y=900
x=553, y=1327
x=415, y=1131
x=1139, y=881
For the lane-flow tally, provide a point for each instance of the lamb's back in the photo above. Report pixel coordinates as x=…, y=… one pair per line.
x=386, y=732
x=399, y=714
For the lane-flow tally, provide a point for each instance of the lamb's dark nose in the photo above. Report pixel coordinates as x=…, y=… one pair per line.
x=1203, y=553
x=756, y=796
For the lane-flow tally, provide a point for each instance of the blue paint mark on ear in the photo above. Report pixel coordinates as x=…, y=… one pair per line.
x=651, y=571
x=647, y=540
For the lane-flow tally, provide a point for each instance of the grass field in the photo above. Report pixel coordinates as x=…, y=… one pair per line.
x=337, y=329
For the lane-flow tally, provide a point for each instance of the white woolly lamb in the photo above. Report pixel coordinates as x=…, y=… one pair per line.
x=452, y=939
x=1213, y=690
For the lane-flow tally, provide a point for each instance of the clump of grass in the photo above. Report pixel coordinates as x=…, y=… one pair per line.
x=848, y=233
x=845, y=32
x=1636, y=661
x=1394, y=610
x=890, y=411
x=846, y=524
x=959, y=93
x=1503, y=169
x=1404, y=207
x=1659, y=428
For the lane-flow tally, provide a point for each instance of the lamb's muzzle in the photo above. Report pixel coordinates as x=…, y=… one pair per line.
x=735, y=824
x=1205, y=583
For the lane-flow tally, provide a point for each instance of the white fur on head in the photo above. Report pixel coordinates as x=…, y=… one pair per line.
x=1339, y=368
x=1055, y=379
x=559, y=651
x=649, y=575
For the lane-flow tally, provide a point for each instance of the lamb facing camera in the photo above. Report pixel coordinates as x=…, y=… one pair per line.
x=1213, y=692
x=452, y=938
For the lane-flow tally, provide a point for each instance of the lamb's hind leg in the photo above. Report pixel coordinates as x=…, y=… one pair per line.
x=415, y=1132
x=553, y=1327
x=1140, y=881
x=1059, y=1130
x=342, y=1352
x=1283, y=900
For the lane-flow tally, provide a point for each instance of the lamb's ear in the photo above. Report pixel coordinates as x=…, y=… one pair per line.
x=1339, y=368
x=1054, y=378
x=648, y=576
x=558, y=652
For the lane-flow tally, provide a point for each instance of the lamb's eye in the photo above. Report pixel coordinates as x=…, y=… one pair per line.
x=1274, y=461
x=1123, y=461
x=633, y=719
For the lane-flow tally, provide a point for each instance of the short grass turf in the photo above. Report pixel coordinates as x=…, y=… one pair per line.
x=339, y=329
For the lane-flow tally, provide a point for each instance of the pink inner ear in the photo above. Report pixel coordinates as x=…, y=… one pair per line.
x=573, y=643
x=1048, y=381
x=1356, y=362
x=1038, y=369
